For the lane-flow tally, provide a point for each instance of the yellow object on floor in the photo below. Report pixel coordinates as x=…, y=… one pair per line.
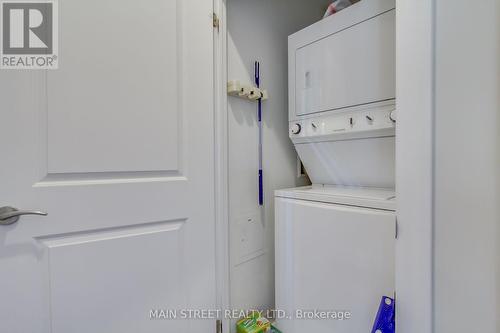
x=253, y=324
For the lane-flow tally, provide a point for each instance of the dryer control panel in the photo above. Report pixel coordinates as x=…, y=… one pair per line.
x=364, y=123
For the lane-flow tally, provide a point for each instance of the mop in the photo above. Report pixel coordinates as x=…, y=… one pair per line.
x=259, y=116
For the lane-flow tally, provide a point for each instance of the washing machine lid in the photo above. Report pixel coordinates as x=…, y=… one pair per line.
x=376, y=198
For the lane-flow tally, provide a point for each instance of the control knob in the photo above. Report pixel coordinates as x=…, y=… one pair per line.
x=296, y=128
x=393, y=116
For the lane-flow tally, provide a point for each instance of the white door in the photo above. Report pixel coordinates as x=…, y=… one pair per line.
x=117, y=147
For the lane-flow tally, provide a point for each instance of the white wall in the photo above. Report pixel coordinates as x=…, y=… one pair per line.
x=467, y=166
x=258, y=30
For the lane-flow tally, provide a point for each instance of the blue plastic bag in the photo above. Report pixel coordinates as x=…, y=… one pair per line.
x=385, y=322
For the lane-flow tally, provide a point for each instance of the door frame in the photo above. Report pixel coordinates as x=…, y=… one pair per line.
x=415, y=159
x=221, y=138
x=415, y=29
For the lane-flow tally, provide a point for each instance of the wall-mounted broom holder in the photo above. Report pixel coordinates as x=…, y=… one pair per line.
x=236, y=89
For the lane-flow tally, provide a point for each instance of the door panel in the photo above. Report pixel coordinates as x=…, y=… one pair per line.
x=124, y=98
x=97, y=266
x=120, y=155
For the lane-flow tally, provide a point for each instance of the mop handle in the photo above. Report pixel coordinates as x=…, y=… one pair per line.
x=259, y=115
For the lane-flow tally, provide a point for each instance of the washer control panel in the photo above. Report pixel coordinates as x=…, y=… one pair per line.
x=345, y=125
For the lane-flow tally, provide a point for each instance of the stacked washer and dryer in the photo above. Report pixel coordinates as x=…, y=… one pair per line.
x=335, y=240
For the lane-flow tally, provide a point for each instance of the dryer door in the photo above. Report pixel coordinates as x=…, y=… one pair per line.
x=351, y=67
x=332, y=258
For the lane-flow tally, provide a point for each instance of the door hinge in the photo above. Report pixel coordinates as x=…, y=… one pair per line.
x=218, y=327
x=216, y=21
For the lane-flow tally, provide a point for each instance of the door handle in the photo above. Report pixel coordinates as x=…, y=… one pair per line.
x=10, y=215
